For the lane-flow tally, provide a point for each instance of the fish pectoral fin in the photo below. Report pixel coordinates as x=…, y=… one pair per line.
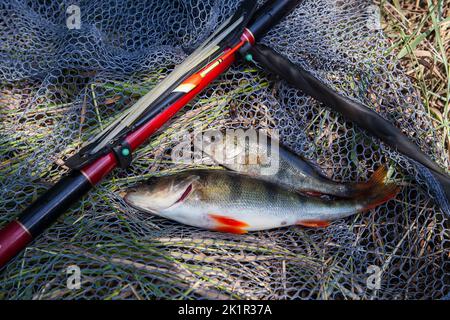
x=313, y=223
x=230, y=225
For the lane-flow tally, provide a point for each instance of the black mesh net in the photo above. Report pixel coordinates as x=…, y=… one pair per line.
x=59, y=86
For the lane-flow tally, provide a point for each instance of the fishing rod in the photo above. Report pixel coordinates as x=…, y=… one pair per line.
x=114, y=146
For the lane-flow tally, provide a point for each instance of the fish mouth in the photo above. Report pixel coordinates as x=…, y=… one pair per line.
x=134, y=199
x=131, y=203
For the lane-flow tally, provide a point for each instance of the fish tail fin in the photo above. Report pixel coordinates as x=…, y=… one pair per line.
x=379, y=176
x=367, y=200
x=375, y=180
x=379, y=194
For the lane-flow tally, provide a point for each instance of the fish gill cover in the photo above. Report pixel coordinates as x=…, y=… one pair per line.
x=61, y=82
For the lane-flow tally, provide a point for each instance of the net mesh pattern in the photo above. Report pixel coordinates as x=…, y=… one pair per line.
x=60, y=86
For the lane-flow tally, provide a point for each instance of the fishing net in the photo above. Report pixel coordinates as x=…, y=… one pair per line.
x=61, y=84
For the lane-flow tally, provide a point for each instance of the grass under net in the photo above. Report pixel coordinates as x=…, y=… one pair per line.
x=60, y=86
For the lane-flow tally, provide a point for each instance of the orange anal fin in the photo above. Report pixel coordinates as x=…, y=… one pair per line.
x=313, y=223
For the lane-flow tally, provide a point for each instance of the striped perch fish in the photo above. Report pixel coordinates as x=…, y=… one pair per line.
x=227, y=201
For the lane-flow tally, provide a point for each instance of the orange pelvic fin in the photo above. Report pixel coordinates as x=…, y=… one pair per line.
x=230, y=225
x=228, y=229
x=313, y=223
x=228, y=221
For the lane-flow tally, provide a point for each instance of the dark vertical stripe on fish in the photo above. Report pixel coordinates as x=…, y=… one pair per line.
x=283, y=174
x=270, y=192
x=236, y=187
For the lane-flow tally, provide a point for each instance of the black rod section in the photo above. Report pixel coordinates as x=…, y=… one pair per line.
x=270, y=13
x=42, y=213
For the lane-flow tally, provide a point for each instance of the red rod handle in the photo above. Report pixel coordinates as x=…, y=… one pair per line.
x=14, y=237
x=35, y=219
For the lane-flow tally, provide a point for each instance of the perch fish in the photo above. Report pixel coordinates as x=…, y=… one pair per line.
x=226, y=201
x=266, y=159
